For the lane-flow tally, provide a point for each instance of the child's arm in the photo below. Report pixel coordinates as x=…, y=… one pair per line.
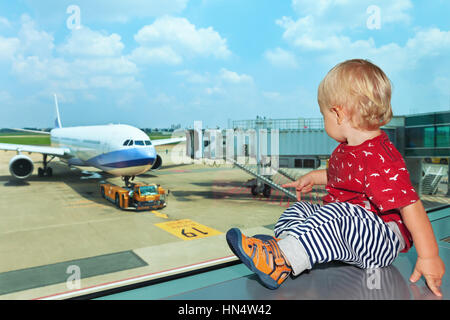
x=305, y=183
x=428, y=263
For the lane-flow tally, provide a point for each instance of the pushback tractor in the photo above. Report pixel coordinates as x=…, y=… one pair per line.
x=138, y=196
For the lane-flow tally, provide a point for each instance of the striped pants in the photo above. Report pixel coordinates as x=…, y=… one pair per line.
x=311, y=233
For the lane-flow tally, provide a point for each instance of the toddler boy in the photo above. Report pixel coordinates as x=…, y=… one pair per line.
x=371, y=211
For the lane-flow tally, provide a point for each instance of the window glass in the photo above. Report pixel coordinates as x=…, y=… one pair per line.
x=65, y=224
x=428, y=141
x=443, y=137
x=415, y=137
x=148, y=190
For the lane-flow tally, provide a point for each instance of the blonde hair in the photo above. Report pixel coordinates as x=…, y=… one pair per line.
x=363, y=91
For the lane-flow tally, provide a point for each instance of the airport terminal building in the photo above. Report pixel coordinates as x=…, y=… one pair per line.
x=303, y=143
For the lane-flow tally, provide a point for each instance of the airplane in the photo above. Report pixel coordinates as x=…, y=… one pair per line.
x=119, y=149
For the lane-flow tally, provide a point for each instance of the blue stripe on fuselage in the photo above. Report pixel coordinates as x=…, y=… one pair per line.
x=124, y=158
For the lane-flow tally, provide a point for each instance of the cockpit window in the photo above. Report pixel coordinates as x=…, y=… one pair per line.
x=126, y=142
x=131, y=143
x=148, y=143
x=139, y=142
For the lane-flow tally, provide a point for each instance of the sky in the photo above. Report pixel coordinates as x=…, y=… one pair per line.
x=154, y=63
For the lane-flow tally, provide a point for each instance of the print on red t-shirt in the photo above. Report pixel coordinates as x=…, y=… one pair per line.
x=374, y=176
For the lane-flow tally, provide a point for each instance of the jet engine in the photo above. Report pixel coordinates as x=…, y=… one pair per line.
x=21, y=166
x=158, y=162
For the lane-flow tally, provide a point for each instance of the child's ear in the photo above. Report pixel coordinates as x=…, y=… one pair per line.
x=339, y=113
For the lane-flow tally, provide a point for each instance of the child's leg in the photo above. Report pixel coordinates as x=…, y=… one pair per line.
x=336, y=231
x=292, y=217
x=297, y=213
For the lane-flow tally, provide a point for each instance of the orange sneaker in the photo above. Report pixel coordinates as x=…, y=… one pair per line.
x=262, y=255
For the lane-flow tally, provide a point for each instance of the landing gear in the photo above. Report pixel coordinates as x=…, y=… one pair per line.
x=259, y=188
x=127, y=179
x=46, y=171
x=267, y=191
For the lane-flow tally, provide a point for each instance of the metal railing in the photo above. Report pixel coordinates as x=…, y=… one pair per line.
x=300, y=123
x=264, y=179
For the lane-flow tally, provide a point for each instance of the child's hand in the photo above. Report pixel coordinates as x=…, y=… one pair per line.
x=302, y=185
x=433, y=270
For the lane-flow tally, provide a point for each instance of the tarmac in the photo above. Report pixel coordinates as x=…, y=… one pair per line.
x=51, y=227
x=57, y=230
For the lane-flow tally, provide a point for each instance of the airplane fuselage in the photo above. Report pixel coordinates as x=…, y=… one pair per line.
x=121, y=150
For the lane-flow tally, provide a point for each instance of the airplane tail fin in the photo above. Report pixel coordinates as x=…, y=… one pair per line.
x=58, y=118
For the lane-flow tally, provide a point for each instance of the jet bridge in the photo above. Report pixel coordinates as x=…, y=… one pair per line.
x=262, y=152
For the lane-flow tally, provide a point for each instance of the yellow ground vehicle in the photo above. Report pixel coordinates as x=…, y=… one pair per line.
x=436, y=160
x=138, y=195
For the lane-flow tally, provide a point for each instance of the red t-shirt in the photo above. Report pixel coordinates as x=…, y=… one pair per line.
x=374, y=176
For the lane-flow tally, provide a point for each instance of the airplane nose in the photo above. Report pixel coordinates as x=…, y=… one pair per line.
x=145, y=156
x=127, y=161
x=149, y=153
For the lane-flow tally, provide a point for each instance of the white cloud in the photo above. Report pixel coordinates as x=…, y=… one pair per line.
x=328, y=24
x=281, y=58
x=111, y=82
x=4, y=23
x=108, y=65
x=397, y=11
x=351, y=11
x=194, y=77
x=86, y=42
x=8, y=47
x=307, y=33
x=392, y=56
x=184, y=39
x=206, y=91
x=429, y=42
x=233, y=77
x=35, y=69
x=322, y=25
x=34, y=41
x=88, y=60
x=214, y=90
x=157, y=55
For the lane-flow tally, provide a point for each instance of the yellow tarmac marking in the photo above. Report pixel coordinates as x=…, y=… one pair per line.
x=159, y=214
x=186, y=229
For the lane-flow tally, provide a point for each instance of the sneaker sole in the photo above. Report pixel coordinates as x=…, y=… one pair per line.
x=234, y=240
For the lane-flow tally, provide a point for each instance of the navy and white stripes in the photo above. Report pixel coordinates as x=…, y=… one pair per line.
x=339, y=231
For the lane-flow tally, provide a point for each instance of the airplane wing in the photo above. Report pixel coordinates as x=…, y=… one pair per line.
x=32, y=131
x=160, y=142
x=60, y=152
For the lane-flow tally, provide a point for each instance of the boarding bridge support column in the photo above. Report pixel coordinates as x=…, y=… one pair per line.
x=414, y=167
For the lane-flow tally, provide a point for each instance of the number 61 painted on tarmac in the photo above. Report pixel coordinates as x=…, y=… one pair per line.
x=191, y=234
